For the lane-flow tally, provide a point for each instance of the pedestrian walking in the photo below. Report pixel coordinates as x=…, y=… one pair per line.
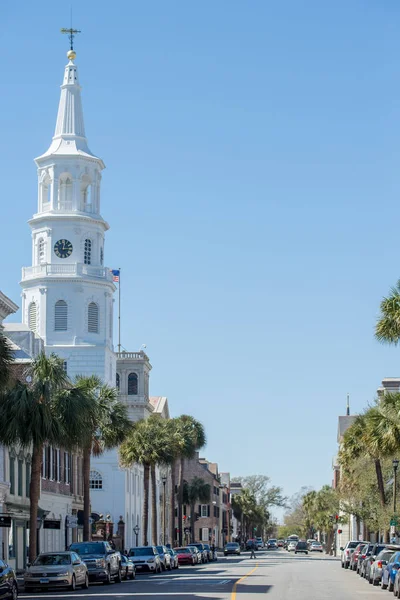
x=253, y=551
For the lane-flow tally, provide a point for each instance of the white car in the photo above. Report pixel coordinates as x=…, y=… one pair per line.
x=292, y=546
x=260, y=543
x=316, y=547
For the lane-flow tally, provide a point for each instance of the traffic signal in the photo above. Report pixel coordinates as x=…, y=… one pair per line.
x=339, y=531
x=336, y=518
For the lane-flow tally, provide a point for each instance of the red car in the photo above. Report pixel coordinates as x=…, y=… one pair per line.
x=185, y=556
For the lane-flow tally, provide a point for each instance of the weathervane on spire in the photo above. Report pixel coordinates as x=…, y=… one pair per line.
x=71, y=34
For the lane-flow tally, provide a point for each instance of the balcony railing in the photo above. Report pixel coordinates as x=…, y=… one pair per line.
x=71, y=270
x=134, y=355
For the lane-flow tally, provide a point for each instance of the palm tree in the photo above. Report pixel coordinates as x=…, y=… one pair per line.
x=43, y=411
x=188, y=437
x=109, y=429
x=387, y=329
x=147, y=444
x=197, y=490
x=6, y=358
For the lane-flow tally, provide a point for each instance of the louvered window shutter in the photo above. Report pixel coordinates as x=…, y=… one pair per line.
x=93, y=318
x=61, y=316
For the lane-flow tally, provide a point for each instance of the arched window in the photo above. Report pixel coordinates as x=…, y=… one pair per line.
x=45, y=191
x=93, y=318
x=87, y=256
x=61, y=316
x=101, y=255
x=41, y=251
x=117, y=381
x=86, y=193
x=32, y=316
x=95, y=480
x=65, y=192
x=132, y=384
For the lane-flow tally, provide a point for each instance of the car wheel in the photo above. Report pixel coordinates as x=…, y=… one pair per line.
x=391, y=586
x=133, y=575
x=72, y=587
x=342, y=565
x=383, y=585
x=14, y=592
x=169, y=567
x=85, y=586
x=374, y=582
x=108, y=580
x=118, y=577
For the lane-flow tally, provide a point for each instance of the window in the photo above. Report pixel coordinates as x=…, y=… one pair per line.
x=101, y=255
x=67, y=468
x=27, y=478
x=65, y=366
x=12, y=475
x=65, y=192
x=95, y=480
x=93, y=318
x=41, y=251
x=20, y=467
x=32, y=316
x=87, y=256
x=117, y=381
x=204, y=510
x=132, y=384
x=61, y=316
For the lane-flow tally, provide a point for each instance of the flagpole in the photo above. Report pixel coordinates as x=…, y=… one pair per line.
x=119, y=311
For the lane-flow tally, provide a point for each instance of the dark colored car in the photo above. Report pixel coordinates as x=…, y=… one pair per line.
x=389, y=572
x=370, y=559
x=232, y=548
x=185, y=556
x=354, y=555
x=102, y=561
x=362, y=557
x=128, y=569
x=8, y=582
x=301, y=547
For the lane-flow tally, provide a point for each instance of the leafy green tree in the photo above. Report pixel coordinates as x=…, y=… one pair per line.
x=196, y=490
x=44, y=411
x=108, y=430
x=6, y=359
x=387, y=329
x=147, y=443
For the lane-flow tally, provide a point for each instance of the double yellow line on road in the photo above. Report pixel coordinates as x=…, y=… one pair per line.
x=233, y=594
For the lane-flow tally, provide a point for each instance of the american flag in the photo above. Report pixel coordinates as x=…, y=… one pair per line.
x=115, y=275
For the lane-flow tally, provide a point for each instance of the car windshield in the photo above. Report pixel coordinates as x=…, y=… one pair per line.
x=183, y=550
x=140, y=551
x=89, y=548
x=352, y=544
x=232, y=545
x=160, y=549
x=52, y=559
x=301, y=545
x=273, y=541
x=385, y=555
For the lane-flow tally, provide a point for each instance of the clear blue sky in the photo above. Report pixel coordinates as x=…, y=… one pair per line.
x=252, y=188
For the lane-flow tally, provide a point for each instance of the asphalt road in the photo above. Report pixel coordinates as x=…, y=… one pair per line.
x=281, y=575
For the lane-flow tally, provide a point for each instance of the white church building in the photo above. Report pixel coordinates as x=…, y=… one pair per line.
x=67, y=295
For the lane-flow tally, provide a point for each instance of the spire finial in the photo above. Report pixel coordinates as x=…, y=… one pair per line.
x=348, y=405
x=71, y=54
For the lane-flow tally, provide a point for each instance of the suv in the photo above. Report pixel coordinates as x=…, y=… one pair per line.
x=102, y=561
x=347, y=551
x=301, y=547
x=146, y=558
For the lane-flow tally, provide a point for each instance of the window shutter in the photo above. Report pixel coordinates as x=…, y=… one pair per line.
x=208, y=510
x=61, y=316
x=32, y=316
x=200, y=534
x=200, y=515
x=93, y=318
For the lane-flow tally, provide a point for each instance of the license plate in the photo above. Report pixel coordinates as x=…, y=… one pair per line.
x=44, y=580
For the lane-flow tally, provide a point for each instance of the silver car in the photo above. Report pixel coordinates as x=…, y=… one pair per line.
x=57, y=569
x=165, y=558
x=381, y=560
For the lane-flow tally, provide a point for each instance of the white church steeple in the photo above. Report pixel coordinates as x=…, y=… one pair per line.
x=68, y=292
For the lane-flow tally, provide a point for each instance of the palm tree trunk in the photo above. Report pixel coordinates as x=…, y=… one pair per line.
x=153, y=506
x=192, y=522
x=379, y=477
x=180, y=500
x=145, y=516
x=173, y=497
x=34, y=495
x=86, y=494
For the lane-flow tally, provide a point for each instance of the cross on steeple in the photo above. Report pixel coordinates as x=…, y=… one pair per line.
x=71, y=34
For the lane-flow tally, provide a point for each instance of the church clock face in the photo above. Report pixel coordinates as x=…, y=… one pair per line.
x=63, y=248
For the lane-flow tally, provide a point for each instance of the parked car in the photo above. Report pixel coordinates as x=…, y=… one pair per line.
x=186, y=556
x=292, y=546
x=316, y=547
x=202, y=549
x=260, y=543
x=363, y=557
x=272, y=544
x=281, y=543
x=165, y=558
x=396, y=585
x=301, y=547
x=354, y=555
x=346, y=553
x=145, y=558
x=196, y=553
x=232, y=548
x=128, y=570
x=210, y=555
x=389, y=572
x=8, y=582
x=379, y=563
x=102, y=561
x=174, y=558
x=370, y=559
x=57, y=569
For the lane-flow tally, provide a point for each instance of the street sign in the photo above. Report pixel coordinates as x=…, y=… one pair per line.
x=393, y=522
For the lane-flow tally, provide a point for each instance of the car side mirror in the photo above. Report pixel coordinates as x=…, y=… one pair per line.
x=28, y=564
x=341, y=548
x=396, y=566
x=76, y=562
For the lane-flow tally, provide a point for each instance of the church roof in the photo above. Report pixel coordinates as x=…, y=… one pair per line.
x=160, y=405
x=69, y=136
x=344, y=423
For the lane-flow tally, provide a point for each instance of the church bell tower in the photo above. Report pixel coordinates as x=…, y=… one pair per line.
x=67, y=295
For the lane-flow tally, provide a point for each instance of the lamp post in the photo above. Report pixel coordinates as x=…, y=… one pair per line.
x=164, y=481
x=136, y=530
x=395, y=463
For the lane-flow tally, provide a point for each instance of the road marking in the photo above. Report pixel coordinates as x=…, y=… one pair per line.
x=233, y=594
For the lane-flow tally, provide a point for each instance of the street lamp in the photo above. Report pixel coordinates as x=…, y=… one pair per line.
x=136, y=530
x=164, y=481
x=395, y=464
